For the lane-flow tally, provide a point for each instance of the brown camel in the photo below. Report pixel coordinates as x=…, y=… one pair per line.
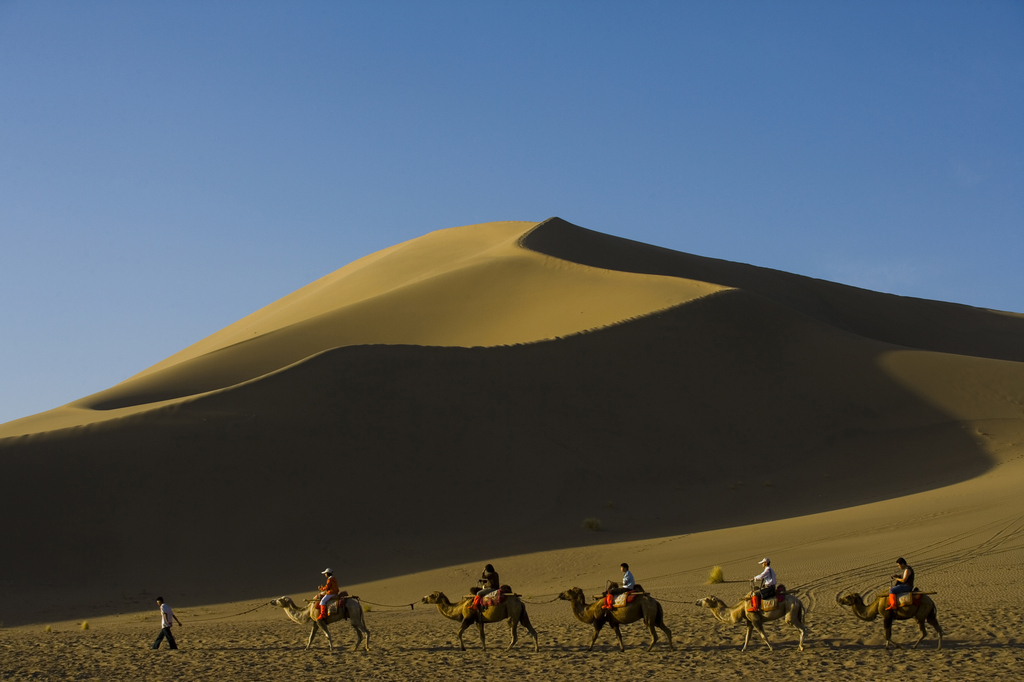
x=352, y=611
x=924, y=611
x=512, y=609
x=791, y=608
x=596, y=615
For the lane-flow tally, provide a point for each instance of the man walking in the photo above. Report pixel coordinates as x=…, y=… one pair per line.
x=165, y=625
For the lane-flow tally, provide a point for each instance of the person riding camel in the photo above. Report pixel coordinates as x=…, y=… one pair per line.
x=904, y=582
x=764, y=584
x=612, y=588
x=488, y=583
x=328, y=591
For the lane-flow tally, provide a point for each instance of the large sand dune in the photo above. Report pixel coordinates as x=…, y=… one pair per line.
x=478, y=392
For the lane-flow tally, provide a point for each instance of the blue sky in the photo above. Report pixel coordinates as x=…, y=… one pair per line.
x=167, y=168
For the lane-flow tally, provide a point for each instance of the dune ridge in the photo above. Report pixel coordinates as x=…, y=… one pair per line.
x=684, y=407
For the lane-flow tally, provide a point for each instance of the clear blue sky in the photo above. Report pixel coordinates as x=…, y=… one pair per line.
x=167, y=168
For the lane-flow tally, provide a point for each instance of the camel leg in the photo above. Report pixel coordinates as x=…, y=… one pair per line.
x=327, y=634
x=668, y=634
x=760, y=630
x=312, y=634
x=525, y=621
x=480, y=626
x=598, y=624
x=795, y=620
x=361, y=630
x=746, y=638
x=513, y=626
x=618, y=633
x=934, y=622
x=654, y=635
x=887, y=624
x=462, y=628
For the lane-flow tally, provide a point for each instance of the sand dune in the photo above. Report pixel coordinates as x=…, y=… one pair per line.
x=478, y=392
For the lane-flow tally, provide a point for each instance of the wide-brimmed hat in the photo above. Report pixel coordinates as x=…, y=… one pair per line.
x=327, y=571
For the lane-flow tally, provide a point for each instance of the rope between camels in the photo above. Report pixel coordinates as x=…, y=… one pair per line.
x=411, y=605
x=234, y=615
x=540, y=602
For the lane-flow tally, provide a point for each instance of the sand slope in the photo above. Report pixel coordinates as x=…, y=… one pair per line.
x=479, y=392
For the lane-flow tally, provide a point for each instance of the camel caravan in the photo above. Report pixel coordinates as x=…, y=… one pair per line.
x=620, y=604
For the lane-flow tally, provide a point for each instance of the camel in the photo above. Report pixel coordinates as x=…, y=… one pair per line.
x=353, y=612
x=595, y=614
x=512, y=609
x=792, y=608
x=925, y=611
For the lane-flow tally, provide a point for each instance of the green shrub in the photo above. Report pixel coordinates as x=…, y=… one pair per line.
x=592, y=524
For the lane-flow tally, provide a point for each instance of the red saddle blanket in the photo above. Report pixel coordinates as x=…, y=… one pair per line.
x=484, y=600
x=613, y=600
x=904, y=599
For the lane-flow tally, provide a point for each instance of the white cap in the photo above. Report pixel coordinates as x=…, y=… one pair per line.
x=764, y=561
x=326, y=571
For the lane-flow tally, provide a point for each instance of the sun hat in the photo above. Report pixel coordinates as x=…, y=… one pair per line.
x=327, y=571
x=764, y=561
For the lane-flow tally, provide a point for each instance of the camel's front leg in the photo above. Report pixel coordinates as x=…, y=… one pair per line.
x=480, y=626
x=760, y=630
x=312, y=634
x=618, y=633
x=887, y=624
x=597, y=629
x=327, y=634
x=462, y=628
x=746, y=638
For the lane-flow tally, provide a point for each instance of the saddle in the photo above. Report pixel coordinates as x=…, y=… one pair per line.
x=614, y=601
x=904, y=599
x=337, y=605
x=487, y=598
x=769, y=604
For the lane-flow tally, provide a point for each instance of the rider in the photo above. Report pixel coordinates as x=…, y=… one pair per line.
x=488, y=583
x=765, y=581
x=904, y=580
x=329, y=591
x=612, y=588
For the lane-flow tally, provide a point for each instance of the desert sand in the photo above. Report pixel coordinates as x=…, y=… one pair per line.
x=473, y=396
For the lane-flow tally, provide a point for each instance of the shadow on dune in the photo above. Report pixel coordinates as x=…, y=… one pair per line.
x=385, y=460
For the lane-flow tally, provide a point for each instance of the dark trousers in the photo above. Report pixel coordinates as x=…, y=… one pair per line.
x=165, y=632
x=900, y=588
x=766, y=592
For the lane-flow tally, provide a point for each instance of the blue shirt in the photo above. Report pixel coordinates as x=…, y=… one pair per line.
x=627, y=580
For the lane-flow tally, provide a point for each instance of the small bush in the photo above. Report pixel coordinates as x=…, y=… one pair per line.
x=49, y=628
x=85, y=625
x=592, y=524
x=717, y=575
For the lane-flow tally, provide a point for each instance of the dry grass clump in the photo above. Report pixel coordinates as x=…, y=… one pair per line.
x=85, y=625
x=717, y=575
x=592, y=524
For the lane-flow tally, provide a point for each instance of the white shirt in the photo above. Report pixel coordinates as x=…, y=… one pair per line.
x=767, y=576
x=627, y=580
x=166, y=616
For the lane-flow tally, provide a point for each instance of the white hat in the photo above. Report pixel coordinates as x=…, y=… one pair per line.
x=764, y=561
x=326, y=571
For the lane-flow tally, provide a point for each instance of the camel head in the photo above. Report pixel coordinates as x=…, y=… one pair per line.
x=432, y=598
x=711, y=603
x=573, y=594
x=852, y=599
x=283, y=602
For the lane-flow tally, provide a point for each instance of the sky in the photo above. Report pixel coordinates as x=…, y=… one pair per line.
x=168, y=168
